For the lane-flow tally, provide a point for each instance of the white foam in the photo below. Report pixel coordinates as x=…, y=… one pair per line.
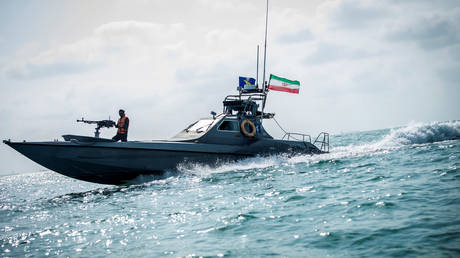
x=417, y=133
x=245, y=164
x=414, y=133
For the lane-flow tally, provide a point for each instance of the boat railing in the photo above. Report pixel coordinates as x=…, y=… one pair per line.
x=297, y=137
x=243, y=103
x=246, y=96
x=323, y=139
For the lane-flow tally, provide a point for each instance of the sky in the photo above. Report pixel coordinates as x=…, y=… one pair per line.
x=363, y=65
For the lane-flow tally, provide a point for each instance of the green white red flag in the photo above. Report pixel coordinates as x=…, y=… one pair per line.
x=283, y=84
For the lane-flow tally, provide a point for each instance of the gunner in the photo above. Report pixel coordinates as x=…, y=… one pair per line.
x=122, y=125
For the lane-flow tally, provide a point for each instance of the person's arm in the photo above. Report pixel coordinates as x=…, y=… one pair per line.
x=126, y=124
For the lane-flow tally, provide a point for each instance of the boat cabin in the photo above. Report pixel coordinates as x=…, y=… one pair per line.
x=239, y=122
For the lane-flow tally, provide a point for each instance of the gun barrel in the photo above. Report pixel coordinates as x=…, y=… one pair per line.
x=100, y=123
x=87, y=121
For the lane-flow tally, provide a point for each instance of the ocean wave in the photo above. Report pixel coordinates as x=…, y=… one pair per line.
x=414, y=133
x=417, y=133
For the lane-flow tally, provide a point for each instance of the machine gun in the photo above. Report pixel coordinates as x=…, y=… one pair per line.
x=100, y=124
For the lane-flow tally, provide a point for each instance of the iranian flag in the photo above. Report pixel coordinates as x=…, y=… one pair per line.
x=283, y=84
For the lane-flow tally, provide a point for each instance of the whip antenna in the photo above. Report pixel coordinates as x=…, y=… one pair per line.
x=264, y=90
x=257, y=73
x=265, y=46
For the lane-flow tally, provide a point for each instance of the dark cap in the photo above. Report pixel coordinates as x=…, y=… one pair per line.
x=121, y=110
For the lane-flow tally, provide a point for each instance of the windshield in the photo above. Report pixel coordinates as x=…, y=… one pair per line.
x=200, y=126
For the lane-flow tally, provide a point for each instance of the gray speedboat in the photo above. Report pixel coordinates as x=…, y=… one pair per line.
x=236, y=133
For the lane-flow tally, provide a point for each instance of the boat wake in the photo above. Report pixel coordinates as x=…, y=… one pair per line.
x=410, y=135
x=147, y=178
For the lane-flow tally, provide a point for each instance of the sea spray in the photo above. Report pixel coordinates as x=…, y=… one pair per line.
x=418, y=133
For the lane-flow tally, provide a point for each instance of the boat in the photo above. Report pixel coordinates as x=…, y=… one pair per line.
x=235, y=134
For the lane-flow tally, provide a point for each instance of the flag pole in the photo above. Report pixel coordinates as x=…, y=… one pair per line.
x=265, y=61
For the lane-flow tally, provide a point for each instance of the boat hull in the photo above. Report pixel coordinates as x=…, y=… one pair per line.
x=114, y=165
x=108, y=162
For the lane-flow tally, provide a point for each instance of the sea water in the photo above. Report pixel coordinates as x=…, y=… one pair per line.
x=392, y=192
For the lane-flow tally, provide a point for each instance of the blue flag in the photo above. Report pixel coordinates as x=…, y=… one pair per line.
x=247, y=83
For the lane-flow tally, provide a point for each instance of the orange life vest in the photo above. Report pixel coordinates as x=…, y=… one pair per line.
x=121, y=125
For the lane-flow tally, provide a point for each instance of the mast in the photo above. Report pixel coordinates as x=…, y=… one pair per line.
x=265, y=62
x=265, y=46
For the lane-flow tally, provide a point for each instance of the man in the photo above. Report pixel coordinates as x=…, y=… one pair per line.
x=122, y=125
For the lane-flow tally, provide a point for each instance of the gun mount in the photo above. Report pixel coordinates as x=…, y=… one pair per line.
x=100, y=124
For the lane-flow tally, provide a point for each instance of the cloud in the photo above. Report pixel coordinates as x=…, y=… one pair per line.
x=451, y=75
x=129, y=33
x=228, y=5
x=42, y=70
x=111, y=42
x=327, y=52
x=295, y=37
x=357, y=14
x=430, y=31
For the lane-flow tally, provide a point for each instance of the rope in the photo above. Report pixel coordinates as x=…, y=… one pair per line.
x=290, y=134
x=279, y=126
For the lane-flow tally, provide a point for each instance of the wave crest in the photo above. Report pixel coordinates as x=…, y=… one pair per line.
x=418, y=133
x=414, y=133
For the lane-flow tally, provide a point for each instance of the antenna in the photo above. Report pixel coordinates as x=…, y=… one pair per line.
x=265, y=46
x=265, y=61
x=257, y=73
